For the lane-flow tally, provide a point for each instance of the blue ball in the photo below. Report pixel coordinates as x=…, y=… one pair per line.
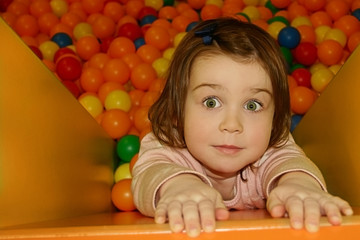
x=295, y=119
x=148, y=19
x=356, y=13
x=139, y=42
x=191, y=26
x=62, y=39
x=289, y=37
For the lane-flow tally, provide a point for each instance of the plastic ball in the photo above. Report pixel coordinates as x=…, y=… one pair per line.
x=121, y=46
x=306, y=53
x=321, y=78
x=180, y=23
x=337, y=9
x=289, y=37
x=133, y=161
x=330, y=52
x=59, y=7
x=116, y=123
x=279, y=19
x=87, y=46
x=321, y=32
x=168, y=12
x=48, y=49
x=295, y=120
x=148, y=19
x=127, y=147
x=118, y=99
x=82, y=29
x=337, y=35
x=62, y=39
x=69, y=68
x=302, y=77
x=108, y=87
x=274, y=28
x=320, y=18
x=148, y=53
x=122, y=172
x=61, y=52
x=92, y=104
x=122, y=197
x=301, y=20
x=26, y=25
x=301, y=99
x=130, y=30
x=139, y=42
x=356, y=13
x=196, y=4
x=348, y=24
x=47, y=21
x=287, y=55
x=92, y=6
x=280, y=3
x=314, y=5
x=161, y=66
x=158, y=37
x=210, y=11
x=91, y=79
x=142, y=76
x=103, y=27
x=354, y=41
x=155, y=4
x=72, y=87
x=116, y=70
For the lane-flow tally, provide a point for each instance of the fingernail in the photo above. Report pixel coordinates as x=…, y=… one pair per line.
x=297, y=225
x=193, y=232
x=348, y=212
x=312, y=228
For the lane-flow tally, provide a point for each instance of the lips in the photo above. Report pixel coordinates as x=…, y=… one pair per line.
x=228, y=149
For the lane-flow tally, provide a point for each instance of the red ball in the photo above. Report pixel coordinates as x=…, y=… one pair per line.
x=130, y=30
x=147, y=11
x=306, y=53
x=302, y=77
x=36, y=51
x=69, y=68
x=62, y=52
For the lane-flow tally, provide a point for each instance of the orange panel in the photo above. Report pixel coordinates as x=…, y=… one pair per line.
x=330, y=132
x=55, y=160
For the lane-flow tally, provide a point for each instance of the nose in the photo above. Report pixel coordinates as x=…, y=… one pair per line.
x=231, y=122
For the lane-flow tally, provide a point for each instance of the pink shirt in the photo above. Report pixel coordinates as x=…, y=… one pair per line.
x=158, y=163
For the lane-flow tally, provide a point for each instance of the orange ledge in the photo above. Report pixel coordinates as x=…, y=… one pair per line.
x=255, y=224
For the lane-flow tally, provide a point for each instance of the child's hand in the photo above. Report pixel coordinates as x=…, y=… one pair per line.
x=300, y=197
x=190, y=204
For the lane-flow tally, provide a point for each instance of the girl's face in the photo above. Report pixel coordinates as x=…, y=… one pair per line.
x=228, y=114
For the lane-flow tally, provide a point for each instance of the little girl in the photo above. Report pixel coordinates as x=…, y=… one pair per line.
x=221, y=138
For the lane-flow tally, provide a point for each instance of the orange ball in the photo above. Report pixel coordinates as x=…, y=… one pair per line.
x=149, y=98
x=330, y=52
x=98, y=60
x=314, y=5
x=141, y=119
x=47, y=21
x=39, y=7
x=196, y=4
x=320, y=18
x=148, y=53
x=71, y=19
x=142, y=76
x=87, y=46
x=122, y=196
x=353, y=41
x=103, y=27
x=307, y=33
x=26, y=25
x=115, y=70
x=61, y=27
x=210, y=11
x=168, y=12
x=348, y=24
x=136, y=96
x=116, y=123
x=337, y=9
x=280, y=3
x=133, y=161
x=191, y=14
x=132, y=8
x=114, y=10
x=158, y=37
x=92, y=6
x=121, y=46
x=229, y=9
x=180, y=23
x=301, y=99
x=295, y=9
x=17, y=8
x=91, y=79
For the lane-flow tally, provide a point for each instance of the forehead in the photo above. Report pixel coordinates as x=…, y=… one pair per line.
x=224, y=69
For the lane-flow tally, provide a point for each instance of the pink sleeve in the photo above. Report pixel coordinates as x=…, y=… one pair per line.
x=278, y=161
x=154, y=167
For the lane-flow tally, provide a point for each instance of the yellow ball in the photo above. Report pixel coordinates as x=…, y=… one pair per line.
x=252, y=12
x=274, y=28
x=161, y=65
x=321, y=78
x=337, y=35
x=168, y=53
x=321, y=32
x=59, y=7
x=299, y=21
x=156, y=4
x=122, y=172
x=178, y=38
x=48, y=49
x=82, y=29
x=317, y=66
x=335, y=68
x=92, y=104
x=251, y=2
x=218, y=3
x=118, y=99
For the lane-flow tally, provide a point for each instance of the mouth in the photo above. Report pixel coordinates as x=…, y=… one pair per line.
x=228, y=149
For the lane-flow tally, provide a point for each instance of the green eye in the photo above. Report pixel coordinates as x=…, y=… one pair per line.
x=211, y=102
x=253, y=106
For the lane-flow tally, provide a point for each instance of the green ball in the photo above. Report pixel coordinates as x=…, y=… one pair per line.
x=278, y=19
x=287, y=55
x=127, y=147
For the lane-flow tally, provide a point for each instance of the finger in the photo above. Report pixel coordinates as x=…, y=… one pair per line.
x=344, y=206
x=275, y=206
x=174, y=212
x=207, y=215
x=332, y=211
x=295, y=209
x=160, y=213
x=311, y=214
x=191, y=218
x=221, y=211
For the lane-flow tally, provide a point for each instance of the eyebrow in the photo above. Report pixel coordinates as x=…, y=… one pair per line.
x=217, y=86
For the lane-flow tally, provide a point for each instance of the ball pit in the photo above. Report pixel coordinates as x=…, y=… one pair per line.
x=112, y=55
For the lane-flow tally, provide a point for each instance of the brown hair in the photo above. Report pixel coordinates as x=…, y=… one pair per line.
x=233, y=38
